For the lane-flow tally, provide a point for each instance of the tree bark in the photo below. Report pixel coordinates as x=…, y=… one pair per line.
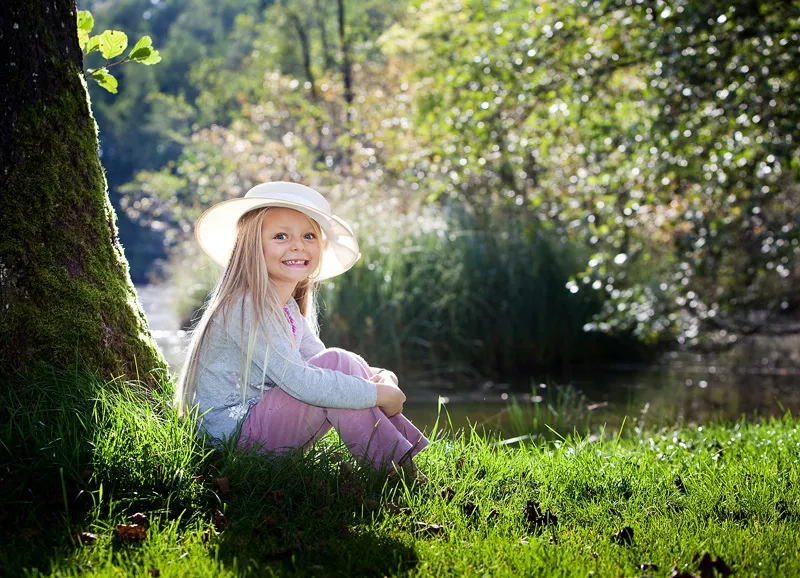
x=305, y=46
x=66, y=298
x=326, y=53
x=347, y=76
x=347, y=68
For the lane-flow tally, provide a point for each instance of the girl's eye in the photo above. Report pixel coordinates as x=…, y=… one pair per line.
x=281, y=236
x=310, y=236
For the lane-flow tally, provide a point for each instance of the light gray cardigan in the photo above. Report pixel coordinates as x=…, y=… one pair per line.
x=219, y=394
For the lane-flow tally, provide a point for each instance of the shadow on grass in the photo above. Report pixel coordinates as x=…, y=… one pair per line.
x=321, y=550
x=305, y=513
x=78, y=454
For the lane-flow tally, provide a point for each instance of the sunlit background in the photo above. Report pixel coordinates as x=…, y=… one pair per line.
x=569, y=212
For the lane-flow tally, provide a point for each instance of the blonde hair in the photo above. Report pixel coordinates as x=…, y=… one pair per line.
x=246, y=277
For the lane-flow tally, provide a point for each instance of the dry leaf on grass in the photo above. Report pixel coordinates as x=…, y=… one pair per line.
x=221, y=523
x=624, y=536
x=222, y=485
x=468, y=508
x=432, y=529
x=711, y=568
x=138, y=518
x=537, y=517
x=448, y=494
x=132, y=532
x=84, y=538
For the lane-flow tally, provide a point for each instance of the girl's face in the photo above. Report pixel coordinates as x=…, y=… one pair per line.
x=291, y=247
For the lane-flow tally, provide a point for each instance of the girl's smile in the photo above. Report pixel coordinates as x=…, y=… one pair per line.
x=291, y=246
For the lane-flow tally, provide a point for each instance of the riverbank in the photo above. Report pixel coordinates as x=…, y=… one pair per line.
x=629, y=503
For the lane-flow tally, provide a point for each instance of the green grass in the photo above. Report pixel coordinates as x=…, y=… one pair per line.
x=80, y=456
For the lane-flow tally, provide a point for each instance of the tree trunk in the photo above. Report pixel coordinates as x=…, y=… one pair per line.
x=305, y=46
x=326, y=53
x=347, y=69
x=66, y=298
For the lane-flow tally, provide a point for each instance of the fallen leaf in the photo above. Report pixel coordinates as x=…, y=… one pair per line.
x=537, y=517
x=624, y=536
x=269, y=521
x=221, y=523
x=709, y=567
x=138, y=518
x=425, y=528
x=84, y=538
x=648, y=566
x=132, y=532
x=468, y=508
x=393, y=508
x=679, y=485
x=155, y=572
x=492, y=515
x=277, y=496
x=448, y=494
x=222, y=485
x=460, y=463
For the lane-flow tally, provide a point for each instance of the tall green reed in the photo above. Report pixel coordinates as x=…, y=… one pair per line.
x=468, y=295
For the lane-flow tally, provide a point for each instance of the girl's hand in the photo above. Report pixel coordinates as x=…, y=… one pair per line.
x=390, y=398
x=389, y=377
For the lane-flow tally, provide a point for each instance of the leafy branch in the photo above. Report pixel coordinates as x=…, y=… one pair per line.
x=112, y=43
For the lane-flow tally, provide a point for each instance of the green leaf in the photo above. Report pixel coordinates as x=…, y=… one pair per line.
x=105, y=79
x=83, y=39
x=144, y=42
x=85, y=21
x=112, y=43
x=144, y=52
x=92, y=43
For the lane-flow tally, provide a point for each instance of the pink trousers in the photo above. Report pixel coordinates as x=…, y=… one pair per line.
x=279, y=421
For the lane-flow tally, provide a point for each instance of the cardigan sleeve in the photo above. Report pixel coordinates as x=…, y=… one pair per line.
x=310, y=345
x=286, y=368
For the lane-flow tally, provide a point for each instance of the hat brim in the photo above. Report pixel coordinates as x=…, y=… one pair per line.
x=215, y=231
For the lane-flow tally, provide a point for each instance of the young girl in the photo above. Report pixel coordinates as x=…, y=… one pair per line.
x=255, y=358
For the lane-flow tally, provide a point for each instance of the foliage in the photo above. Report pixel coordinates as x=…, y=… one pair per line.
x=661, y=134
x=533, y=509
x=475, y=291
x=112, y=43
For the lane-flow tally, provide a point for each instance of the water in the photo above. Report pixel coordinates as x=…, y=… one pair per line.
x=759, y=378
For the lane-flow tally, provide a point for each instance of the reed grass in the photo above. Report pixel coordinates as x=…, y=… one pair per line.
x=465, y=296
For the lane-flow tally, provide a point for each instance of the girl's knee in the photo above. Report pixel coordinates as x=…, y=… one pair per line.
x=340, y=360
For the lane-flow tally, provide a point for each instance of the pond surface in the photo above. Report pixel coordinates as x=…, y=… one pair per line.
x=759, y=378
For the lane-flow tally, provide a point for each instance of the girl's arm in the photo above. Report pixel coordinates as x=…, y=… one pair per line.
x=287, y=369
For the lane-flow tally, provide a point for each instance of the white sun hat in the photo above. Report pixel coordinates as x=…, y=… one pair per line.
x=216, y=228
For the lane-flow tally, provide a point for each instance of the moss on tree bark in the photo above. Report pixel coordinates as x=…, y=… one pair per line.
x=66, y=298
